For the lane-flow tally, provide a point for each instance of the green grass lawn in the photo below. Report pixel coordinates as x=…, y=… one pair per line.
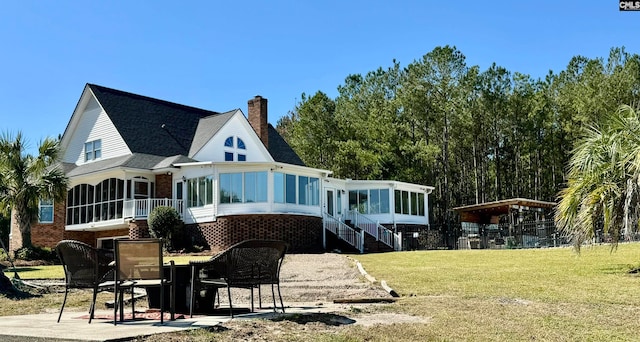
x=534, y=294
x=483, y=295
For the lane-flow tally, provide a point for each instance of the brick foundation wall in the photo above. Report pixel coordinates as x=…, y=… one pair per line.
x=303, y=233
x=139, y=229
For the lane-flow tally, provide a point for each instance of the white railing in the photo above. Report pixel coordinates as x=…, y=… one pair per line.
x=140, y=208
x=344, y=232
x=397, y=243
x=378, y=231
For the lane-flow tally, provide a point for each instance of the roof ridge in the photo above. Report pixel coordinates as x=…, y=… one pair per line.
x=152, y=99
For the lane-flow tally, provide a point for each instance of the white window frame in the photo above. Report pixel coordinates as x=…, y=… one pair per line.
x=234, y=149
x=90, y=150
x=41, y=206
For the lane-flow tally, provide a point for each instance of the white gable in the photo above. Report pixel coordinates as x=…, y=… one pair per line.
x=236, y=127
x=88, y=123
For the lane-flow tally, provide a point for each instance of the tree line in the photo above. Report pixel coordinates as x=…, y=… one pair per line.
x=475, y=135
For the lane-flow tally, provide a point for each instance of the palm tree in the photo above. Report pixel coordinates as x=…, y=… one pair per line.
x=25, y=179
x=603, y=186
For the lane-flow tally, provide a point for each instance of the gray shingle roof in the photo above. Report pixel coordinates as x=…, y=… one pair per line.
x=280, y=149
x=158, y=128
x=149, y=125
x=207, y=128
x=134, y=161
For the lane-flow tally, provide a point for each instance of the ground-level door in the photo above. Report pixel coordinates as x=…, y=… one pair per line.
x=333, y=202
x=330, y=203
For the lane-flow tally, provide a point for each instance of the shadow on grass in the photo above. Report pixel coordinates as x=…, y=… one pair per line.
x=621, y=269
x=16, y=289
x=325, y=318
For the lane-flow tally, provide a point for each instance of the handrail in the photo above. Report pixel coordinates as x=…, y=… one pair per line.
x=343, y=232
x=141, y=208
x=378, y=231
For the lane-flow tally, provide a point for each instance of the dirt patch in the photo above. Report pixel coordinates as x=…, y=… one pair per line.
x=319, y=279
x=307, y=280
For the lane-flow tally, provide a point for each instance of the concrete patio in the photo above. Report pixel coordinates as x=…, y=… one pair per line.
x=43, y=327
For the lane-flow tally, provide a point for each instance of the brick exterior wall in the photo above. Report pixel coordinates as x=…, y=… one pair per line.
x=139, y=229
x=303, y=233
x=48, y=234
x=164, y=186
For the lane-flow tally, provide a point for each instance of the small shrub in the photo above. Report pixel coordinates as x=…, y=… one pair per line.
x=165, y=223
x=36, y=253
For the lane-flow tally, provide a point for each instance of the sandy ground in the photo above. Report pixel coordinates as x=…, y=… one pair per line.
x=315, y=279
x=318, y=280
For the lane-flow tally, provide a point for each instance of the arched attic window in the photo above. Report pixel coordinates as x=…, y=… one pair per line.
x=234, y=149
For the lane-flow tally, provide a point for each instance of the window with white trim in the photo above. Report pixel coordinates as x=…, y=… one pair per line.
x=409, y=203
x=45, y=211
x=243, y=187
x=199, y=191
x=93, y=150
x=285, y=185
x=235, y=149
x=371, y=201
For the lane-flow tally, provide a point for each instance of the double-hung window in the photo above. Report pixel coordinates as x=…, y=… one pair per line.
x=45, y=211
x=93, y=150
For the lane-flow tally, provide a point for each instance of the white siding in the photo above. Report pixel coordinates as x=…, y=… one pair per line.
x=239, y=127
x=95, y=124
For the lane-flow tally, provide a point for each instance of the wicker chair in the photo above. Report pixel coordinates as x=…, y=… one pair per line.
x=84, y=267
x=139, y=264
x=248, y=264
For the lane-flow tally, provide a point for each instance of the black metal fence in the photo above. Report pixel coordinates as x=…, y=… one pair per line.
x=526, y=234
x=465, y=235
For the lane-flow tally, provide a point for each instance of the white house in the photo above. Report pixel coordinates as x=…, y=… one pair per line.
x=230, y=177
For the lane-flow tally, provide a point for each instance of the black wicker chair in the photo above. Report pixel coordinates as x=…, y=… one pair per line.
x=84, y=267
x=248, y=264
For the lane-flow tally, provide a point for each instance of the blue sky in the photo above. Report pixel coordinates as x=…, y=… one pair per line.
x=218, y=54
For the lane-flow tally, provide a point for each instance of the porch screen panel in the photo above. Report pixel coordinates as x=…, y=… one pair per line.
x=278, y=187
x=303, y=190
x=87, y=203
x=414, y=203
x=353, y=200
x=290, y=188
x=261, y=186
x=397, y=200
x=230, y=187
x=255, y=187
x=314, y=187
x=97, y=205
x=83, y=203
x=384, y=201
x=236, y=187
x=363, y=201
x=374, y=201
x=405, y=202
x=192, y=194
x=225, y=188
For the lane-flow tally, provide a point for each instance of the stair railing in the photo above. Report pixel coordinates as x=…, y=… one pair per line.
x=378, y=231
x=343, y=232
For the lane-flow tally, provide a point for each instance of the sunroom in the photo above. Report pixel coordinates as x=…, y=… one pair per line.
x=210, y=190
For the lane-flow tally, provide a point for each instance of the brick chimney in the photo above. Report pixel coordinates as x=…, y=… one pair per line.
x=258, y=118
